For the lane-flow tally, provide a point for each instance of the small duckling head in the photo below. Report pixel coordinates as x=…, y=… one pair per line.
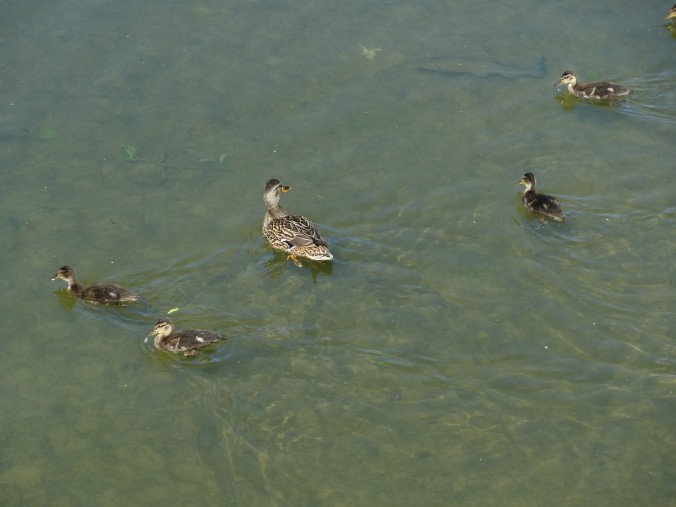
x=672, y=13
x=273, y=191
x=65, y=273
x=527, y=180
x=567, y=78
x=163, y=327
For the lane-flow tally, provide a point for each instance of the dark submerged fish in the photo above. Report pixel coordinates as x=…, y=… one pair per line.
x=13, y=132
x=458, y=66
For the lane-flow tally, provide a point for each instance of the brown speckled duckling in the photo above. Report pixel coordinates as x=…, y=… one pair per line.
x=106, y=294
x=542, y=204
x=188, y=341
x=595, y=90
x=293, y=234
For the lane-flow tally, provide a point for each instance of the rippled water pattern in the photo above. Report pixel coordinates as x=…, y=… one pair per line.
x=456, y=352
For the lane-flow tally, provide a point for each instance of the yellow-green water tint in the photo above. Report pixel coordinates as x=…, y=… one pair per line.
x=454, y=353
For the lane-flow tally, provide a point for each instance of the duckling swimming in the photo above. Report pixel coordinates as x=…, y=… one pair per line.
x=107, y=294
x=188, y=341
x=293, y=234
x=541, y=204
x=595, y=90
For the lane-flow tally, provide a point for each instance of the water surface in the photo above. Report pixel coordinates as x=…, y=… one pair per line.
x=456, y=352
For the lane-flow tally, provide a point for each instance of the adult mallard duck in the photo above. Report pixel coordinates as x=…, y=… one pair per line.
x=596, y=90
x=672, y=14
x=292, y=234
x=107, y=294
x=542, y=204
x=188, y=341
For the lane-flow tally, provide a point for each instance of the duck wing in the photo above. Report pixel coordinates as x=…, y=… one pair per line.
x=296, y=230
x=190, y=340
x=545, y=205
x=111, y=294
x=603, y=90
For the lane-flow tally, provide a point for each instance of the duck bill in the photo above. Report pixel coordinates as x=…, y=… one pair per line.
x=558, y=83
x=285, y=188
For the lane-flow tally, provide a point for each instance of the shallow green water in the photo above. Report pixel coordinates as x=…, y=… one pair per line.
x=454, y=353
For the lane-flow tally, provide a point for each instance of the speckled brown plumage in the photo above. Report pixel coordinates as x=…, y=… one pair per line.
x=292, y=234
